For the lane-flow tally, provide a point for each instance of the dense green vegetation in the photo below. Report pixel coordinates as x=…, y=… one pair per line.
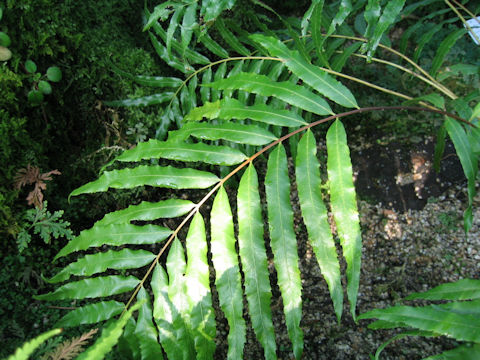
x=83, y=82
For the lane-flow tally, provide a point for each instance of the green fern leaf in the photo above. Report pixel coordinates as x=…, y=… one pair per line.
x=310, y=74
x=210, y=154
x=115, y=235
x=189, y=23
x=148, y=211
x=379, y=24
x=109, y=337
x=213, y=46
x=344, y=206
x=260, y=84
x=228, y=108
x=463, y=352
x=28, y=348
x=190, y=55
x=91, y=314
x=230, y=38
x=225, y=261
x=424, y=39
x=92, y=288
x=163, y=54
x=145, y=330
x=238, y=133
x=444, y=48
x=469, y=163
x=100, y=262
x=197, y=281
x=155, y=99
x=159, y=176
x=177, y=293
x=316, y=218
x=339, y=61
x=457, y=323
x=128, y=344
x=212, y=8
x=284, y=244
x=461, y=290
x=254, y=260
x=164, y=313
x=172, y=27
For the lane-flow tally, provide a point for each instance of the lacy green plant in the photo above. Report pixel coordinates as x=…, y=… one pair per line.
x=43, y=223
x=239, y=113
x=459, y=318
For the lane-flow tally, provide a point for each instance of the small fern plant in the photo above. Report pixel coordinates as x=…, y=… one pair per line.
x=256, y=105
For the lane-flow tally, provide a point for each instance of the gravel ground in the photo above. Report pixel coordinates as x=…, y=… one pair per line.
x=404, y=251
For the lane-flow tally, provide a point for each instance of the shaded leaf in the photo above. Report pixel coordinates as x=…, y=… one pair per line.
x=115, y=235
x=230, y=38
x=100, y=262
x=469, y=163
x=145, y=330
x=444, y=48
x=463, y=352
x=461, y=290
x=91, y=314
x=163, y=312
x=28, y=348
x=461, y=326
x=155, y=99
x=110, y=335
x=148, y=211
x=92, y=288
x=212, y=8
x=310, y=74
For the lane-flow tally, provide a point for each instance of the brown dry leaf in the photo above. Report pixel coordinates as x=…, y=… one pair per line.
x=26, y=176
x=69, y=349
x=31, y=175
